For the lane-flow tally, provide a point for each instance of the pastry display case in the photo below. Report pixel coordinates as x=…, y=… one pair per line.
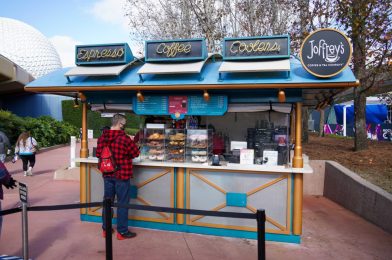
x=153, y=148
x=198, y=145
x=175, y=145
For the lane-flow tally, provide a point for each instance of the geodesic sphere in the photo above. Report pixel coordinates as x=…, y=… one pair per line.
x=27, y=47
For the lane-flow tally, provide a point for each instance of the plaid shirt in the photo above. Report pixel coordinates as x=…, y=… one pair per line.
x=123, y=150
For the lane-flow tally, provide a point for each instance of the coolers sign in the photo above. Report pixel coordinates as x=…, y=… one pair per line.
x=175, y=50
x=267, y=47
x=325, y=53
x=103, y=54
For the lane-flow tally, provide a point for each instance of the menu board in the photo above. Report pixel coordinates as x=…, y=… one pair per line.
x=182, y=105
x=152, y=105
x=216, y=106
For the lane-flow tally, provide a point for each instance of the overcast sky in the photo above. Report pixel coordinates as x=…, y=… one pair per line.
x=70, y=22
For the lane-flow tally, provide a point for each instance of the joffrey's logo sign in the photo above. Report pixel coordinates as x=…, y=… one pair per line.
x=325, y=52
x=328, y=52
x=171, y=50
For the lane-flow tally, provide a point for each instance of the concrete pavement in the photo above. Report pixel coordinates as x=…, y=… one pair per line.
x=330, y=231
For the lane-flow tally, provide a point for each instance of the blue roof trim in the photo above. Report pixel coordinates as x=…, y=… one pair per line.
x=210, y=74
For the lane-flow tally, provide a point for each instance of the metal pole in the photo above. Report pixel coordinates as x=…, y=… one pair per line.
x=25, y=235
x=107, y=203
x=260, y=234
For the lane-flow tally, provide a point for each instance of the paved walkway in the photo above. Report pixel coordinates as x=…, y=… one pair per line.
x=330, y=231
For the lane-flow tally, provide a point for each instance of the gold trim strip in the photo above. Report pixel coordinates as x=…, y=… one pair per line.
x=208, y=182
x=270, y=220
x=275, y=223
x=217, y=208
x=265, y=186
x=95, y=209
x=149, y=204
x=152, y=179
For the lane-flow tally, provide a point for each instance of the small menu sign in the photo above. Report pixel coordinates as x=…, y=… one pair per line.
x=247, y=156
x=268, y=47
x=175, y=50
x=325, y=53
x=178, y=105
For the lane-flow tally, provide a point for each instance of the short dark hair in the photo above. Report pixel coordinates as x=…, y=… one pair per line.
x=117, y=118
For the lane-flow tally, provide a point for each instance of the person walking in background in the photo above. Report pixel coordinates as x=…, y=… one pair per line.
x=4, y=146
x=26, y=147
x=117, y=183
x=8, y=182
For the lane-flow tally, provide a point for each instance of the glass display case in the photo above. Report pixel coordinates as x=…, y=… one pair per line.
x=198, y=145
x=175, y=145
x=153, y=148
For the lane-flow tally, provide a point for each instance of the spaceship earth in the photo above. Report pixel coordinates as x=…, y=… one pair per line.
x=27, y=47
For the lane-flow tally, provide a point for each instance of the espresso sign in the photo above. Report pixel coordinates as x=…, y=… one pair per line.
x=176, y=50
x=269, y=47
x=103, y=54
x=325, y=53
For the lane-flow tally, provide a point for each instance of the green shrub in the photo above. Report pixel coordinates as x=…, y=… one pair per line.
x=94, y=120
x=46, y=130
x=131, y=131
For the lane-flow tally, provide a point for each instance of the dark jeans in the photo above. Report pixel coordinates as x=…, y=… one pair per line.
x=120, y=188
x=26, y=159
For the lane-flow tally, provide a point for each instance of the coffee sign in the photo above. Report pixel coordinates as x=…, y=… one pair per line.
x=103, y=54
x=268, y=47
x=175, y=50
x=325, y=53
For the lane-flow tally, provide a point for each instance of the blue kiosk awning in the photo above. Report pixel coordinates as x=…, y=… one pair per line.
x=313, y=90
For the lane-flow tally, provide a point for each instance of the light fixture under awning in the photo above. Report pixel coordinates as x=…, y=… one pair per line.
x=173, y=68
x=255, y=66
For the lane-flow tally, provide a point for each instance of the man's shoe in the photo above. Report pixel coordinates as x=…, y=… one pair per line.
x=104, y=233
x=126, y=235
x=30, y=171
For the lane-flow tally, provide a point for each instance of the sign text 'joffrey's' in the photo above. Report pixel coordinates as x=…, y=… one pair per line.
x=103, y=54
x=325, y=53
x=269, y=47
x=175, y=50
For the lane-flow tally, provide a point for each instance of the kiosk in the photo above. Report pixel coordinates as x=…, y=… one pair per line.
x=226, y=130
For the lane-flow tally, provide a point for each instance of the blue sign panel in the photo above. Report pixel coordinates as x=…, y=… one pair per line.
x=103, y=54
x=197, y=106
x=236, y=199
x=175, y=50
x=216, y=106
x=263, y=47
x=152, y=105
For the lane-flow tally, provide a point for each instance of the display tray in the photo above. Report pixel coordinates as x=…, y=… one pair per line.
x=154, y=157
x=198, y=147
x=176, y=152
x=199, y=159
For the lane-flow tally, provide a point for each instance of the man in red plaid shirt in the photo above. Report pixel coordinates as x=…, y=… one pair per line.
x=117, y=184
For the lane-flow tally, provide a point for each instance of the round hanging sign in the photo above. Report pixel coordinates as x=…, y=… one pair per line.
x=325, y=53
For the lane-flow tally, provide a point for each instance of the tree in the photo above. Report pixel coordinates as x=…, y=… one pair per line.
x=368, y=24
x=210, y=19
